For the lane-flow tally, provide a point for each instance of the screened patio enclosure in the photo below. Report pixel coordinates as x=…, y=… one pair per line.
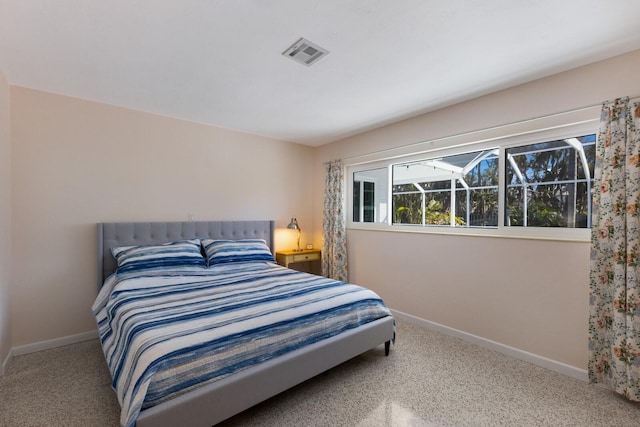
x=546, y=184
x=440, y=191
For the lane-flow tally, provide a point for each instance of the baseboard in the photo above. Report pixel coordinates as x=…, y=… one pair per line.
x=56, y=342
x=553, y=365
x=6, y=363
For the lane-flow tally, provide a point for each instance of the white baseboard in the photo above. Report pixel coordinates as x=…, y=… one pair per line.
x=53, y=343
x=553, y=365
x=6, y=363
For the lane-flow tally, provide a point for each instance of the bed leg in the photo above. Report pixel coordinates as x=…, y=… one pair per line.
x=387, y=346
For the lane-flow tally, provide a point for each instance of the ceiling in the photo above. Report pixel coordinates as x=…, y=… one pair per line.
x=220, y=62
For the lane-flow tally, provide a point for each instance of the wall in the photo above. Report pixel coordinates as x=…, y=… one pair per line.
x=76, y=163
x=5, y=225
x=527, y=294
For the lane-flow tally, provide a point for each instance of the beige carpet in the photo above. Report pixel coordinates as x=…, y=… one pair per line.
x=429, y=379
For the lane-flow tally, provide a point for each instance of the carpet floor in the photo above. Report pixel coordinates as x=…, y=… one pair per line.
x=429, y=379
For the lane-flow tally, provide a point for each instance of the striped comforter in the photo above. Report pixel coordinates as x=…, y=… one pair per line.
x=167, y=331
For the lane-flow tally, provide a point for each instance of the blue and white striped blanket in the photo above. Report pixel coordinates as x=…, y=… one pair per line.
x=167, y=331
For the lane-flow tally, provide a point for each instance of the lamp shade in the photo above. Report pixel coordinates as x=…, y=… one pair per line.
x=293, y=225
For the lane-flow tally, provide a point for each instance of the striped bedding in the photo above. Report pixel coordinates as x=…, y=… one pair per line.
x=166, y=331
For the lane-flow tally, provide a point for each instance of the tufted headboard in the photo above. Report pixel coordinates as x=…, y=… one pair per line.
x=112, y=234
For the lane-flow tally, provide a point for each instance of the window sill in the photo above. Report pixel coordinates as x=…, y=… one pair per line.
x=581, y=235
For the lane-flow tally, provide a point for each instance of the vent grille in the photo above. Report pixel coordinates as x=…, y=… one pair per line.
x=305, y=52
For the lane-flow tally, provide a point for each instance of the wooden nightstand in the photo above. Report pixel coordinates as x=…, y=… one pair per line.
x=286, y=258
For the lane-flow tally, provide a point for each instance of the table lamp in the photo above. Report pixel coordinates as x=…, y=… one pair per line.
x=293, y=225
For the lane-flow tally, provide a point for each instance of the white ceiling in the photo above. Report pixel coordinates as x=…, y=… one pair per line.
x=219, y=61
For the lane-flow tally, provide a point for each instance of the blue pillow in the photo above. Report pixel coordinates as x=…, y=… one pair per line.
x=184, y=253
x=226, y=251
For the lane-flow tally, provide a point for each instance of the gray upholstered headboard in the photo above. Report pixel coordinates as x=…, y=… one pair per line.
x=112, y=234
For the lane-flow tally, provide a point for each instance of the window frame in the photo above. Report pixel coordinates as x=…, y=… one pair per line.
x=561, y=126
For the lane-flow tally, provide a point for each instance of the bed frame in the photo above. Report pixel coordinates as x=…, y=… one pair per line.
x=215, y=402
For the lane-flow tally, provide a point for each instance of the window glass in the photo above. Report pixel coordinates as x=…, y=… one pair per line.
x=369, y=196
x=460, y=190
x=546, y=183
x=368, y=202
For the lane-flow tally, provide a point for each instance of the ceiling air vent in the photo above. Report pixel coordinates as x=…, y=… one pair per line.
x=305, y=52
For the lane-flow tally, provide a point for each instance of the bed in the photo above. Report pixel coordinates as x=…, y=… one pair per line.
x=218, y=398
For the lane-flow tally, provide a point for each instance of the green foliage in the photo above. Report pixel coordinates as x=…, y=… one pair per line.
x=539, y=215
x=553, y=174
x=434, y=214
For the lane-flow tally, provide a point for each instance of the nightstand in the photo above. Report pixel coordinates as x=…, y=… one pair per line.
x=286, y=258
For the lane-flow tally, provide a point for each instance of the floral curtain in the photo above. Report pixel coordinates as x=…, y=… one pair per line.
x=614, y=317
x=334, y=254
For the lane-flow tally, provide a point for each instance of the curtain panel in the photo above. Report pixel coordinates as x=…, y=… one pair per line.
x=614, y=316
x=334, y=254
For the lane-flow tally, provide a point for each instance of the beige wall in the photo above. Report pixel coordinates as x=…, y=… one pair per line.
x=76, y=163
x=494, y=288
x=5, y=222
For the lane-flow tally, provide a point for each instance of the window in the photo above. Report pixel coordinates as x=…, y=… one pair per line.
x=458, y=190
x=369, y=196
x=549, y=184
x=364, y=201
x=537, y=181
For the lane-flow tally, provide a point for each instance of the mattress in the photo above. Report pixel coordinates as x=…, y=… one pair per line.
x=167, y=331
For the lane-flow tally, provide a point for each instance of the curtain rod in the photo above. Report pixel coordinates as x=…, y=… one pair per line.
x=532, y=119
